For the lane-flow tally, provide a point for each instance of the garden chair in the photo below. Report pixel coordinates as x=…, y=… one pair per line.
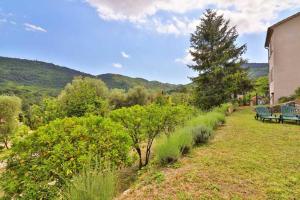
x=288, y=113
x=263, y=113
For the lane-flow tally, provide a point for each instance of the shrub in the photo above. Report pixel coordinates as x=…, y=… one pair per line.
x=92, y=184
x=41, y=162
x=201, y=134
x=290, y=98
x=210, y=120
x=169, y=149
x=166, y=150
x=220, y=117
x=197, y=130
x=285, y=99
x=184, y=139
x=223, y=108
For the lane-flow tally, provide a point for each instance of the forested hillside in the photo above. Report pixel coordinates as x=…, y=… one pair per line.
x=257, y=70
x=125, y=82
x=31, y=80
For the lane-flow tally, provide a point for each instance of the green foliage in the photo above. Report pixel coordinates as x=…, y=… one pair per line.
x=184, y=140
x=167, y=150
x=92, y=183
x=201, y=134
x=297, y=93
x=218, y=62
x=84, y=95
x=117, y=98
x=132, y=119
x=34, y=80
x=256, y=70
x=197, y=131
x=145, y=123
x=293, y=97
x=285, y=99
x=10, y=107
x=39, y=115
x=137, y=96
x=181, y=98
x=41, y=162
x=262, y=86
x=124, y=82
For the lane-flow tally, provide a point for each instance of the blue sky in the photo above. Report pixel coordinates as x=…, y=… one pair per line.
x=138, y=38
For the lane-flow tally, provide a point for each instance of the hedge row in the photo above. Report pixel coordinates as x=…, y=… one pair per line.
x=197, y=131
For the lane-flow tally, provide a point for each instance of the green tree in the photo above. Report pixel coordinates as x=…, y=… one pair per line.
x=40, y=115
x=145, y=123
x=10, y=108
x=117, y=98
x=84, y=95
x=262, y=86
x=137, y=96
x=217, y=59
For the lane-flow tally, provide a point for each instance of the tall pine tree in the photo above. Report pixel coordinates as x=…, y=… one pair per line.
x=218, y=61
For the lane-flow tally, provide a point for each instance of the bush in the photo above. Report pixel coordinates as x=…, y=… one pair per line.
x=201, y=134
x=220, y=117
x=223, y=108
x=197, y=131
x=166, y=150
x=290, y=98
x=41, y=162
x=184, y=139
x=92, y=184
x=285, y=99
x=210, y=120
x=169, y=149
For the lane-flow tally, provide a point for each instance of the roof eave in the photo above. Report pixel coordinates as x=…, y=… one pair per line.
x=268, y=37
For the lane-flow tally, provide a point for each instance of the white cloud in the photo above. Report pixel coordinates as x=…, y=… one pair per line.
x=250, y=16
x=187, y=59
x=117, y=65
x=3, y=20
x=125, y=55
x=34, y=28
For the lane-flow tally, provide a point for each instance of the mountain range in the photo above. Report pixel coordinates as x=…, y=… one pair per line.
x=32, y=80
x=256, y=70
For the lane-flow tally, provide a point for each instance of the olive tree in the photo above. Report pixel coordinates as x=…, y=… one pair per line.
x=10, y=107
x=137, y=96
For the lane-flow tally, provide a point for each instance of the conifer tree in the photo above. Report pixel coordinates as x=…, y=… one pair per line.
x=217, y=60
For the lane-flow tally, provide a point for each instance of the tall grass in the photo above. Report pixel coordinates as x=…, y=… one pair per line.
x=92, y=184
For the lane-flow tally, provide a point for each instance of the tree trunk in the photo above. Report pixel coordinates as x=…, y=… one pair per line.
x=148, y=151
x=6, y=143
x=138, y=150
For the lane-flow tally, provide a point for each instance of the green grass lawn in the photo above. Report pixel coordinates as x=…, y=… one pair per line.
x=247, y=159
